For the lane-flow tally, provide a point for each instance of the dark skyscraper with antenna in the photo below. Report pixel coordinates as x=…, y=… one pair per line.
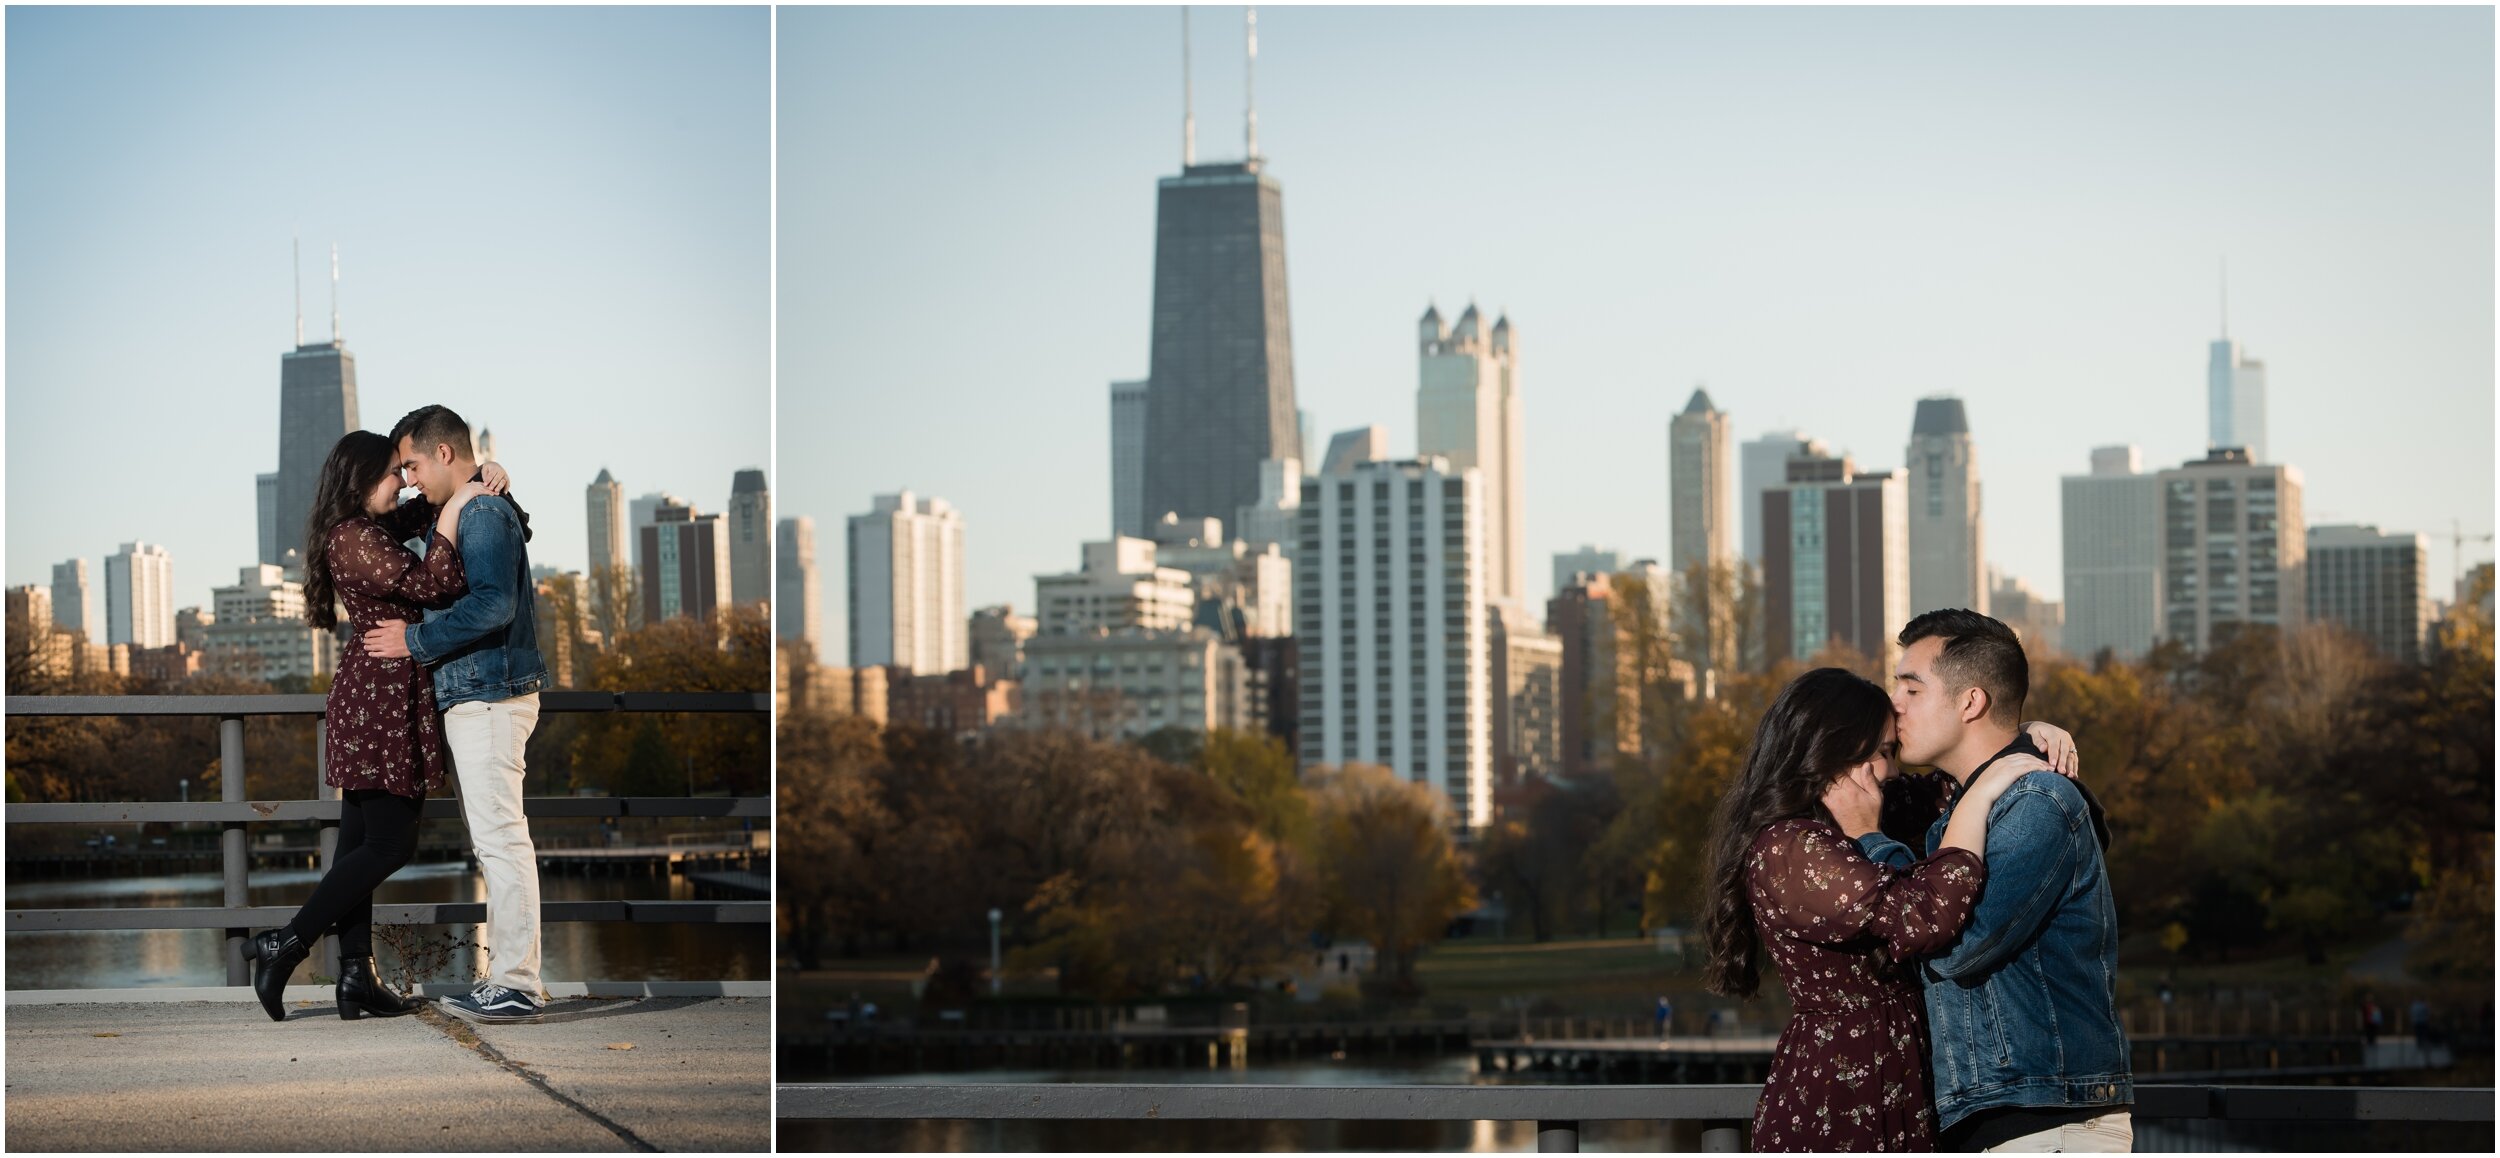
x=1220, y=378
x=316, y=404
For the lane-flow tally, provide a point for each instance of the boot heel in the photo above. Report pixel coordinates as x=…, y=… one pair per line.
x=349, y=1011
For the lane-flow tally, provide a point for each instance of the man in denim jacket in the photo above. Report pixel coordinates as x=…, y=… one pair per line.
x=483, y=652
x=2022, y=1009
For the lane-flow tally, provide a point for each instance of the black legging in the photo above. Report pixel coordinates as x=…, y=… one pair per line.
x=377, y=836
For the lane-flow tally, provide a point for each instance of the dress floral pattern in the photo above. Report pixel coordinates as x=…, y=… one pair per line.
x=1850, y=1072
x=383, y=730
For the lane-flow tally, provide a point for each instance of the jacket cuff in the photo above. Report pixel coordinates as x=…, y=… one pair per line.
x=416, y=643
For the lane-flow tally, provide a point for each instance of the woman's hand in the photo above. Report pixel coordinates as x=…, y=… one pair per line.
x=1999, y=777
x=2059, y=747
x=497, y=479
x=1856, y=802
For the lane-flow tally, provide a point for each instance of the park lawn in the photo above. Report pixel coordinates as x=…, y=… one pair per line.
x=1614, y=977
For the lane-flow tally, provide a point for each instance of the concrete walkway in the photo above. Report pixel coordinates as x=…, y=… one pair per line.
x=219, y=1075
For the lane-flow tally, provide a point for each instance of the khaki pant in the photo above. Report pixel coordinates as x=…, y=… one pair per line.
x=2111, y=1133
x=487, y=742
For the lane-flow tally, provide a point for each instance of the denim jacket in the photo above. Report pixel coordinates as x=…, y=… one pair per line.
x=485, y=647
x=2023, y=1008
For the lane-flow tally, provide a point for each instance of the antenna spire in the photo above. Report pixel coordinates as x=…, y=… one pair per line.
x=1189, y=110
x=334, y=294
x=1250, y=84
x=299, y=291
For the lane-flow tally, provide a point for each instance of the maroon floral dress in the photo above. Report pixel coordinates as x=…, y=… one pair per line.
x=383, y=730
x=1850, y=1072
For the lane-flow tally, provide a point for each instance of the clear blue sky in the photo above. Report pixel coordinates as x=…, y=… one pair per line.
x=1822, y=213
x=556, y=221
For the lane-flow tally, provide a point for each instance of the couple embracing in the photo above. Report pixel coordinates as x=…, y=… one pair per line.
x=442, y=676
x=1954, y=983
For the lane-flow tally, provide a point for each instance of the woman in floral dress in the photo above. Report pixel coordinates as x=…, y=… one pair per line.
x=1850, y=1071
x=384, y=750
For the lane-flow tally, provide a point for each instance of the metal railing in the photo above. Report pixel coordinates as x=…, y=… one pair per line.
x=235, y=812
x=1725, y=1111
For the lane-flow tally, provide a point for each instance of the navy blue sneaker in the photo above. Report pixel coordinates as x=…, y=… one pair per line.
x=491, y=1004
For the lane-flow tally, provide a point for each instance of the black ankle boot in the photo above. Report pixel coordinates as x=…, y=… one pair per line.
x=363, y=994
x=274, y=954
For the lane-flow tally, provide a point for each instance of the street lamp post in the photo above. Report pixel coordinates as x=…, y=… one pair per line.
x=994, y=915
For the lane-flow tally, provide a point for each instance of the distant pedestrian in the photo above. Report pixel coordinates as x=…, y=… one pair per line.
x=1665, y=1016
x=2371, y=1017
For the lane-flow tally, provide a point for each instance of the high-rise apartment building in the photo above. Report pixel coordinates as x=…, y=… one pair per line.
x=605, y=500
x=259, y=629
x=74, y=606
x=2235, y=399
x=1590, y=559
x=1700, y=459
x=1467, y=411
x=1527, y=704
x=750, y=528
x=644, y=512
x=1762, y=465
x=1948, y=556
x=998, y=635
x=796, y=586
x=2111, y=524
x=2373, y=583
x=1120, y=684
x=906, y=601
x=1128, y=460
x=1835, y=567
x=139, y=596
x=1220, y=380
x=1392, y=630
x=1119, y=585
x=685, y=564
x=2233, y=547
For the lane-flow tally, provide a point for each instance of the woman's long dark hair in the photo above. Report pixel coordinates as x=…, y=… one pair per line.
x=1823, y=722
x=354, y=467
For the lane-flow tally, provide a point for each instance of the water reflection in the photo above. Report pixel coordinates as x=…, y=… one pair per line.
x=571, y=951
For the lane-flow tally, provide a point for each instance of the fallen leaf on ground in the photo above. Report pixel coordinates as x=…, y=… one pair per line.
x=620, y=1045
x=104, y=1035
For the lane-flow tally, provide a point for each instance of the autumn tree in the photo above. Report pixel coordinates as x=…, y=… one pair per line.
x=1391, y=871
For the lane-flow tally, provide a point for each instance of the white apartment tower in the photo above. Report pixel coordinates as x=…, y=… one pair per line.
x=1390, y=602
x=2111, y=520
x=1467, y=411
x=139, y=596
x=796, y=587
x=907, y=585
x=1120, y=585
x=2234, y=548
x=1948, y=558
x=1699, y=449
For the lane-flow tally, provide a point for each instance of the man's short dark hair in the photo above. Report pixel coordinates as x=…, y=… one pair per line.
x=427, y=426
x=1979, y=652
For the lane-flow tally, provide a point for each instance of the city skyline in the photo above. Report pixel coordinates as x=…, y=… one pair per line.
x=556, y=222
x=2048, y=254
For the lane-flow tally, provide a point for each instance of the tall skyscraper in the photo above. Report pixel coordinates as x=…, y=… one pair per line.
x=1467, y=411
x=139, y=596
x=1128, y=460
x=685, y=564
x=1391, y=621
x=606, y=499
x=2373, y=583
x=796, y=587
x=1220, y=382
x=1835, y=546
x=1699, y=447
x=750, y=538
x=2235, y=395
x=906, y=604
x=1948, y=557
x=2234, y=546
x=316, y=405
x=1762, y=465
x=644, y=512
x=74, y=600
x=2111, y=521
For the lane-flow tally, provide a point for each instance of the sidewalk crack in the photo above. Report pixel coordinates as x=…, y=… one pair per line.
x=460, y=1033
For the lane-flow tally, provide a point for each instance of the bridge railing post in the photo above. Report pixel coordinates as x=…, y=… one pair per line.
x=329, y=828
x=237, y=848
x=1558, y=1137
